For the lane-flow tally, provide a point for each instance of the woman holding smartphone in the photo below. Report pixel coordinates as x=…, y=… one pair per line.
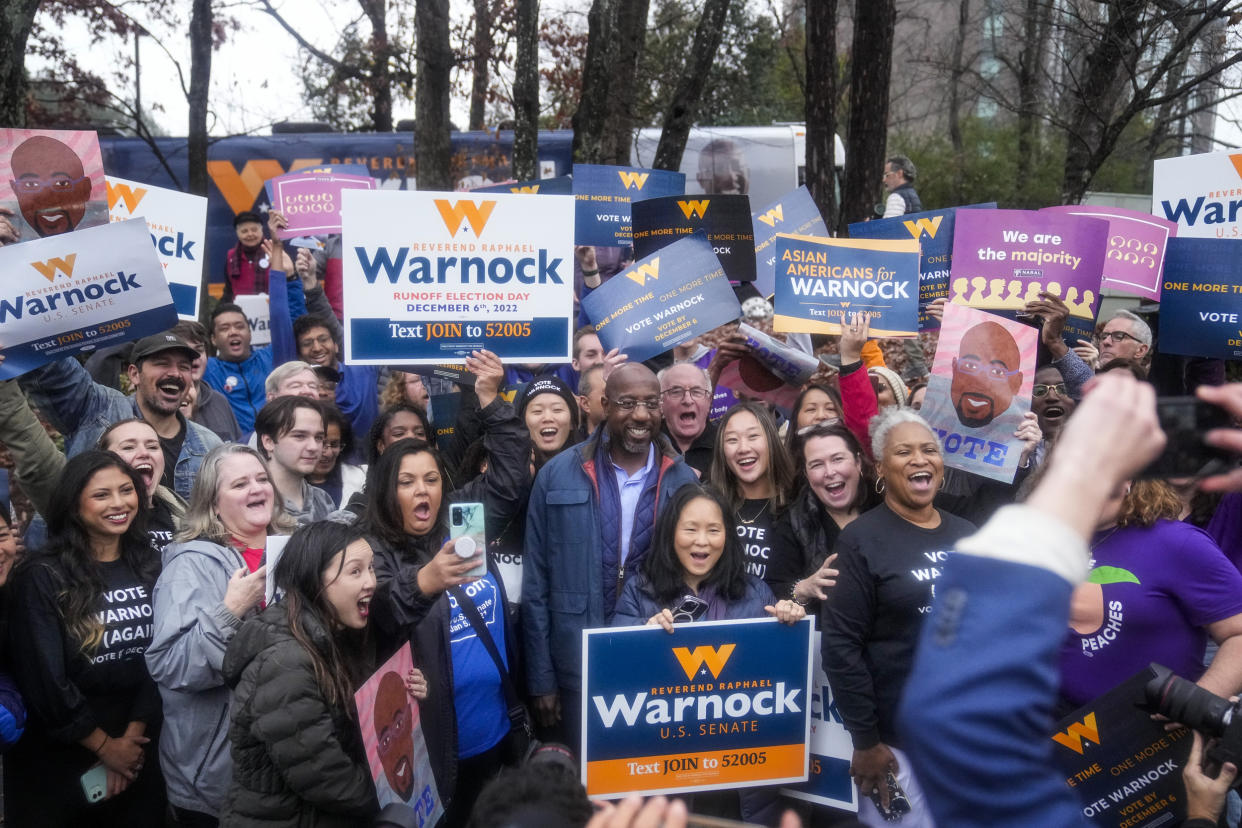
x=695, y=572
x=79, y=624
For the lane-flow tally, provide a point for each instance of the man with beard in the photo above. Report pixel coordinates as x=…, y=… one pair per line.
x=394, y=723
x=50, y=184
x=591, y=517
x=986, y=375
x=160, y=373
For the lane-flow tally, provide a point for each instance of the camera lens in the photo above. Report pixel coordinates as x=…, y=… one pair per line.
x=1187, y=703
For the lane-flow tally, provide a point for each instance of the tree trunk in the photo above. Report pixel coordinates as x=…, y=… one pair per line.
x=483, y=46
x=1094, y=99
x=16, y=20
x=821, y=106
x=380, y=80
x=874, y=23
x=526, y=92
x=628, y=41
x=432, y=150
x=683, y=107
x=1036, y=26
x=590, y=118
x=956, y=73
x=200, y=82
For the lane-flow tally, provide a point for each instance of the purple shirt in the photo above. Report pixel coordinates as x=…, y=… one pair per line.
x=1156, y=590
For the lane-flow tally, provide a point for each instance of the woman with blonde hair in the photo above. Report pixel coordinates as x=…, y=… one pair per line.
x=1158, y=588
x=214, y=578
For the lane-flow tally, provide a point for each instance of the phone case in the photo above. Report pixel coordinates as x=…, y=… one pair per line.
x=95, y=784
x=466, y=520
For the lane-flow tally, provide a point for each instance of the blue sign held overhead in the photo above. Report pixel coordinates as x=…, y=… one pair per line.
x=560, y=185
x=603, y=196
x=934, y=231
x=1201, y=298
x=794, y=213
x=665, y=299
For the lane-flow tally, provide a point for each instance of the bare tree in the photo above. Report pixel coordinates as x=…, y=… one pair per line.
x=480, y=74
x=628, y=39
x=874, y=24
x=432, y=124
x=679, y=116
x=821, y=98
x=201, y=22
x=526, y=92
x=16, y=21
x=590, y=118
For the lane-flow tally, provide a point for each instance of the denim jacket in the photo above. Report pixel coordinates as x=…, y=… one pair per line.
x=82, y=409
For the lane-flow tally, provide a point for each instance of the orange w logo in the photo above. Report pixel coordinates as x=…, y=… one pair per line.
x=648, y=270
x=714, y=659
x=241, y=189
x=476, y=214
x=1237, y=163
x=771, y=217
x=48, y=269
x=629, y=179
x=125, y=193
x=1076, y=732
x=694, y=208
x=924, y=225
x=529, y=188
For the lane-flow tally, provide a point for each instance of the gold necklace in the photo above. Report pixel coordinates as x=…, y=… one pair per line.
x=758, y=514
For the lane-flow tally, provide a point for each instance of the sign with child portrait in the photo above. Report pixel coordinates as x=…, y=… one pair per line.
x=393, y=739
x=979, y=390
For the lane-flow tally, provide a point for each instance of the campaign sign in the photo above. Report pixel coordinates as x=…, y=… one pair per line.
x=318, y=169
x=1201, y=305
x=178, y=225
x=832, y=749
x=603, y=196
x=1136, y=243
x=1125, y=768
x=71, y=293
x=662, y=300
x=715, y=705
x=794, y=213
x=312, y=203
x=1202, y=194
x=560, y=185
x=53, y=181
x=979, y=388
x=1002, y=259
x=392, y=736
x=724, y=219
x=934, y=231
x=430, y=277
x=820, y=281
x=257, y=308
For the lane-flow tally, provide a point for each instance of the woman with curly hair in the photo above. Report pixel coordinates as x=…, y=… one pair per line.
x=1158, y=589
x=80, y=623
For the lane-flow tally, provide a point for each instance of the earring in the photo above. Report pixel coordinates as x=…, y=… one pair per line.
x=879, y=485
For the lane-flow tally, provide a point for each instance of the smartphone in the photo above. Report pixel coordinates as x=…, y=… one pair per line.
x=466, y=527
x=95, y=784
x=898, y=804
x=1185, y=420
x=689, y=608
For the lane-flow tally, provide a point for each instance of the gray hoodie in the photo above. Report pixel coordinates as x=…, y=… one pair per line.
x=192, y=630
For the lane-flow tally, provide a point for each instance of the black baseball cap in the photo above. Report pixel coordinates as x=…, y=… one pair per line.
x=159, y=343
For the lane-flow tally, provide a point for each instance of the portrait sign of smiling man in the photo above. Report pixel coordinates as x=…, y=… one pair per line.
x=979, y=393
x=51, y=175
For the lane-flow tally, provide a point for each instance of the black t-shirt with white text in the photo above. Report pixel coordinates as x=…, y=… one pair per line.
x=754, y=530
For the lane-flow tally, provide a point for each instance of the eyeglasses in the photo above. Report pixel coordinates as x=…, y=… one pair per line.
x=629, y=404
x=56, y=185
x=332, y=446
x=993, y=371
x=680, y=393
x=1116, y=337
x=1040, y=389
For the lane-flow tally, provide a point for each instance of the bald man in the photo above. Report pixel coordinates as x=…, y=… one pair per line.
x=50, y=184
x=986, y=374
x=591, y=518
x=394, y=724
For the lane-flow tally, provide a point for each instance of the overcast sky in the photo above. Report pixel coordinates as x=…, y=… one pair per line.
x=255, y=79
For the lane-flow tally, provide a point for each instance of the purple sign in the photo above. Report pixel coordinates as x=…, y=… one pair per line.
x=312, y=203
x=1136, y=243
x=1003, y=259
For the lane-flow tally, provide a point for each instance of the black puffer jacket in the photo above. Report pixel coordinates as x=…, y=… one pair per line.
x=296, y=760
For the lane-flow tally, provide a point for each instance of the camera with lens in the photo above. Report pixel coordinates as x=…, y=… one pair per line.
x=1187, y=703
